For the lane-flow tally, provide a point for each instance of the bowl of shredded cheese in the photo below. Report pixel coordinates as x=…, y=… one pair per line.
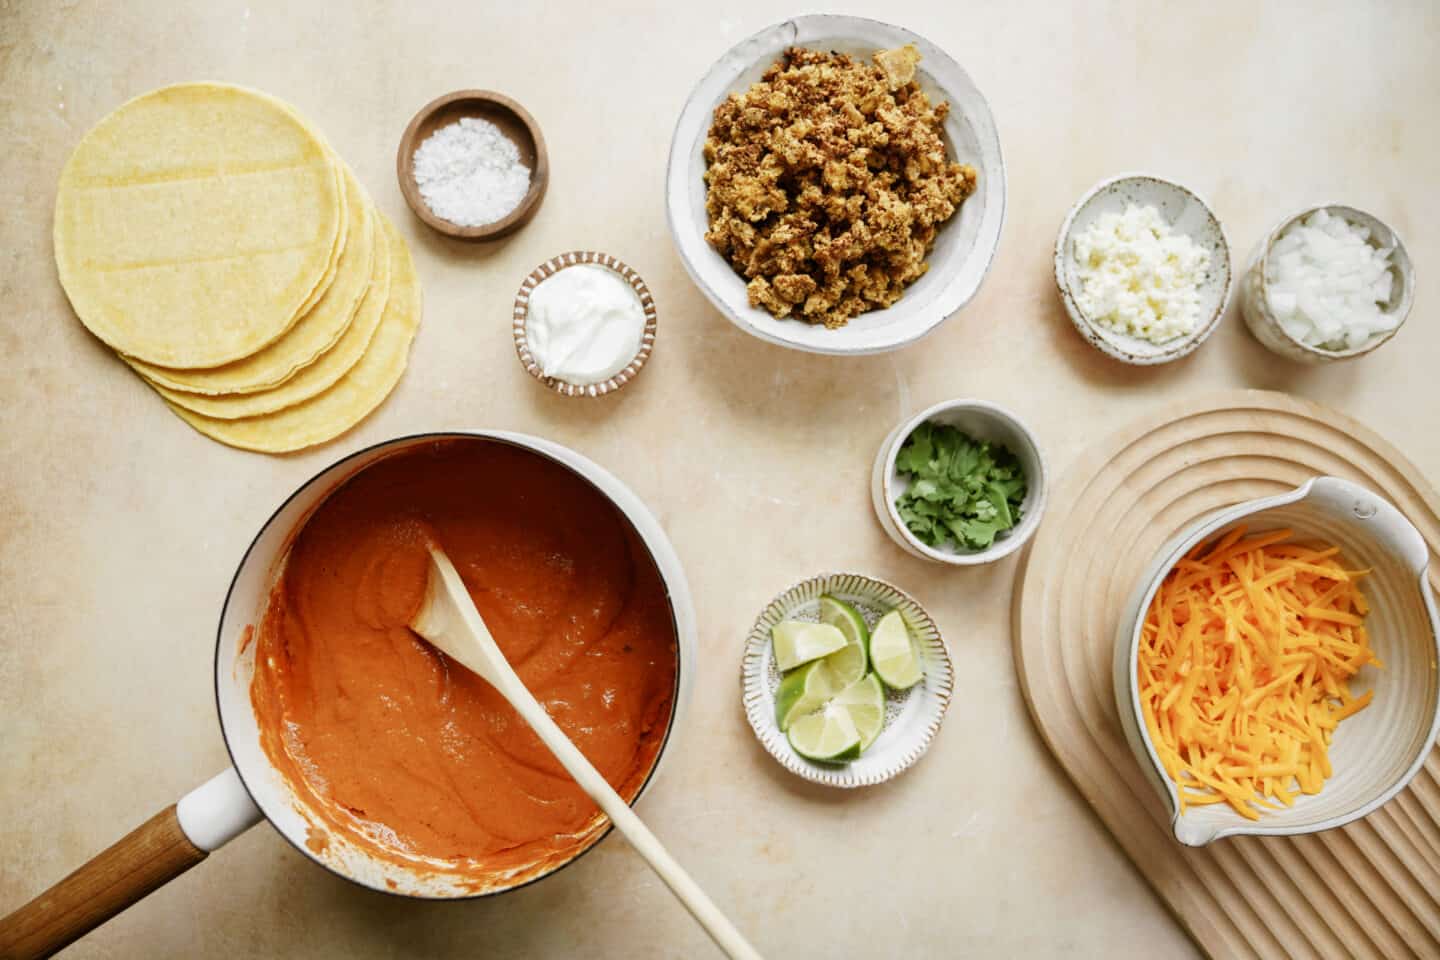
x=1143, y=269
x=1276, y=671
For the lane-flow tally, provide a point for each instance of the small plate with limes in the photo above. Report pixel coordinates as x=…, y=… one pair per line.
x=845, y=679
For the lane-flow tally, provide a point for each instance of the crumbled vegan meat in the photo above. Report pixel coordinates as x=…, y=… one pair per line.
x=827, y=181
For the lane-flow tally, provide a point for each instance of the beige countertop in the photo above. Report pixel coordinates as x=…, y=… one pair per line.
x=120, y=527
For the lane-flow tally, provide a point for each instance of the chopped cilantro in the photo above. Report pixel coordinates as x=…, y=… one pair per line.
x=960, y=489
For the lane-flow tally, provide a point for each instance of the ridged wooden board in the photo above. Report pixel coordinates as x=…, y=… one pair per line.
x=1371, y=889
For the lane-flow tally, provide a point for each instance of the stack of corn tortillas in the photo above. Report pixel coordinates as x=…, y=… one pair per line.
x=209, y=235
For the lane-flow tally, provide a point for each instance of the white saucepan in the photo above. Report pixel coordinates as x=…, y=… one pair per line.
x=205, y=819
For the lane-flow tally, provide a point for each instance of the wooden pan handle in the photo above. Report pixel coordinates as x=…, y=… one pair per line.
x=146, y=859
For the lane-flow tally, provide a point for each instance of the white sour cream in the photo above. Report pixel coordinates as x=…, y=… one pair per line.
x=585, y=324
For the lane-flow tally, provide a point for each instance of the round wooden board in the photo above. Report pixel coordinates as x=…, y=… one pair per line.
x=1369, y=889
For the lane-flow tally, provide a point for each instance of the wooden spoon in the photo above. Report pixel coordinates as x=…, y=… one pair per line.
x=448, y=619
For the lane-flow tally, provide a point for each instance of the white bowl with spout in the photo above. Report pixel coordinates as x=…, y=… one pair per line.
x=1375, y=752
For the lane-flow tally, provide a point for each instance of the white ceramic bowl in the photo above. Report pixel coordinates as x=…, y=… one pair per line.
x=912, y=717
x=983, y=421
x=1187, y=214
x=964, y=247
x=1255, y=308
x=1376, y=751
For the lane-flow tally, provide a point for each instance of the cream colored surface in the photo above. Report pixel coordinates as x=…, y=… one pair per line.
x=196, y=194
x=320, y=328
x=106, y=705
x=363, y=387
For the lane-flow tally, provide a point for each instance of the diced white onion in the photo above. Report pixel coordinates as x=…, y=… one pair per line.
x=1326, y=283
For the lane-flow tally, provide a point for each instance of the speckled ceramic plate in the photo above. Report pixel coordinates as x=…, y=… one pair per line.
x=1187, y=214
x=912, y=716
x=521, y=316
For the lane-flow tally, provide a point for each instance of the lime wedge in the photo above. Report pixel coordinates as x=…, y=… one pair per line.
x=893, y=653
x=851, y=661
x=864, y=700
x=828, y=735
x=797, y=642
x=804, y=691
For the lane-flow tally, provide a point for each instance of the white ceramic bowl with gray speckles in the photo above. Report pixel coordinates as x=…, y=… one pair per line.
x=964, y=247
x=912, y=717
x=1187, y=214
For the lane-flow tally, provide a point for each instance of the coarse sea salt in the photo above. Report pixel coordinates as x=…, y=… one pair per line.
x=1325, y=283
x=470, y=173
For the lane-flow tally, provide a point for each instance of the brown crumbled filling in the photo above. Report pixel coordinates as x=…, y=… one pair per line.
x=827, y=181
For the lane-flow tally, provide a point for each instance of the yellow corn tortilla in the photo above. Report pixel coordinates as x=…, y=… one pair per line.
x=316, y=332
x=195, y=224
x=316, y=377
x=341, y=236
x=329, y=414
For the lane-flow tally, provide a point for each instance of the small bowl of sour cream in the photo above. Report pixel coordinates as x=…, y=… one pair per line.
x=584, y=324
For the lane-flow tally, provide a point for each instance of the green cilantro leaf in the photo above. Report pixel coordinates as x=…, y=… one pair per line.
x=959, y=489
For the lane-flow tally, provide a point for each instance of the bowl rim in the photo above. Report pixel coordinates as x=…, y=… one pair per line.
x=529, y=204
x=521, y=319
x=1096, y=336
x=1196, y=533
x=1037, y=487
x=1403, y=266
x=690, y=250
x=753, y=675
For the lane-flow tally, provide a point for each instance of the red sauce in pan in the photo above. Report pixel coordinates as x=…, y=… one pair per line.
x=407, y=753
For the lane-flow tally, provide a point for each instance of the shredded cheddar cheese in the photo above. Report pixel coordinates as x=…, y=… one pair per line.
x=1245, y=663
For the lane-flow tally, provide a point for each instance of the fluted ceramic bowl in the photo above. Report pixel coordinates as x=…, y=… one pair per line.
x=1375, y=752
x=912, y=717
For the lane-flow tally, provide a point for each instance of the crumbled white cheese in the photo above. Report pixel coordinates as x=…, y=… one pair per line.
x=1139, y=278
x=1325, y=283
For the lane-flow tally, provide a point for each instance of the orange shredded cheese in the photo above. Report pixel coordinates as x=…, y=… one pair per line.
x=1246, y=657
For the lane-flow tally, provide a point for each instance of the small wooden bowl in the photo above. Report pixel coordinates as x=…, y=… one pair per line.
x=521, y=317
x=514, y=122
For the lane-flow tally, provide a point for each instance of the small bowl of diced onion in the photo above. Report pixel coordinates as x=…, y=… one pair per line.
x=1328, y=283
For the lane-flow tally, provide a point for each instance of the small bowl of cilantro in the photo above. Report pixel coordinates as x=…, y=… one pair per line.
x=960, y=483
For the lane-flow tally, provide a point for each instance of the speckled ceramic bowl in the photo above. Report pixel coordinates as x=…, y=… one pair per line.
x=522, y=314
x=1186, y=213
x=1255, y=308
x=912, y=717
x=964, y=247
